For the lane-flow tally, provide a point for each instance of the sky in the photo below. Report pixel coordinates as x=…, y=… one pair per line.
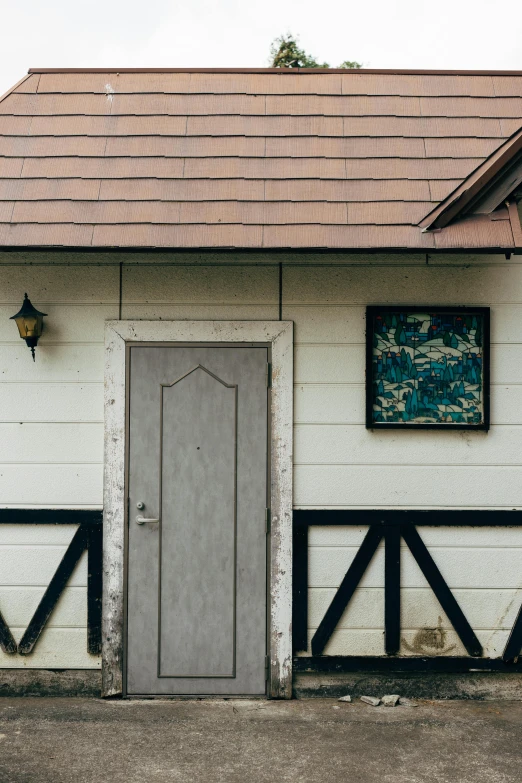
x=454, y=34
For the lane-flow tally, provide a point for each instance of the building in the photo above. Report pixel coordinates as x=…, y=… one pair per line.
x=204, y=245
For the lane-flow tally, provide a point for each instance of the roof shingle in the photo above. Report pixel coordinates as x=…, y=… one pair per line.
x=252, y=159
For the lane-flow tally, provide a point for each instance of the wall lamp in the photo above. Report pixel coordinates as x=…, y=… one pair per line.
x=30, y=323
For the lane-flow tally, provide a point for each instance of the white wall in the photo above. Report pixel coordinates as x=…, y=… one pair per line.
x=51, y=432
x=340, y=464
x=51, y=427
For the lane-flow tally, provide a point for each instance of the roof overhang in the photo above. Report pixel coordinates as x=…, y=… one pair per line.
x=488, y=193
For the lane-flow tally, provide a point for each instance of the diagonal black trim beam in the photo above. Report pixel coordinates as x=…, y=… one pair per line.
x=7, y=642
x=514, y=644
x=392, y=589
x=94, y=589
x=53, y=592
x=346, y=589
x=442, y=592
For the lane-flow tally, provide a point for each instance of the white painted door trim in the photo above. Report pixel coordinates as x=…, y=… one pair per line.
x=280, y=336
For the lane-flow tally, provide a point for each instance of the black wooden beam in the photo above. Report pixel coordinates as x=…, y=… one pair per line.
x=94, y=589
x=7, y=642
x=49, y=516
x=392, y=590
x=339, y=663
x=346, y=590
x=445, y=518
x=300, y=589
x=441, y=590
x=514, y=644
x=54, y=590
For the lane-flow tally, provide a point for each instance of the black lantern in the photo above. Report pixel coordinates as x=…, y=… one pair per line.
x=30, y=323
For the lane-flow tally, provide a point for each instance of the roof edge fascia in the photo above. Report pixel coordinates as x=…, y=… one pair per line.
x=513, y=249
x=15, y=86
x=480, y=178
x=282, y=71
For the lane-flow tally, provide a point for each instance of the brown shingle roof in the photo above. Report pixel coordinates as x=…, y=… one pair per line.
x=249, y=159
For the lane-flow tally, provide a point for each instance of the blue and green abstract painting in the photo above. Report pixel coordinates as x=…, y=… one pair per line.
x=427, y=367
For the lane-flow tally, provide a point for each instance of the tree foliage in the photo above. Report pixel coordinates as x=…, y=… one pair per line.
x=285, y=52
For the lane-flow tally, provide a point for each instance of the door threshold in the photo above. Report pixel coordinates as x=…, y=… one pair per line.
x=200, y=697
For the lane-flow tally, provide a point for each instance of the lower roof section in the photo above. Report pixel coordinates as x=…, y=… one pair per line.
x=474, y=233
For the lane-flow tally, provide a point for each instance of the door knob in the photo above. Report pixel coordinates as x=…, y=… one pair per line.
x=142, y=520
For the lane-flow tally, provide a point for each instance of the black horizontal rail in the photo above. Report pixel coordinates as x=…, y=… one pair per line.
x=49, y=516
x=443, y=518
x=362, y=663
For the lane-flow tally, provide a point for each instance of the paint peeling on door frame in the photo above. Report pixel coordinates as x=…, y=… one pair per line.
x=280, y=335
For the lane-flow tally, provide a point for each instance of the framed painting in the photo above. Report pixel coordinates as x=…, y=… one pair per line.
x=427, y=367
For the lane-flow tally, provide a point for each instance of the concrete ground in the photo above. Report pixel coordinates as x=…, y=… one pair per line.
x=310, y=741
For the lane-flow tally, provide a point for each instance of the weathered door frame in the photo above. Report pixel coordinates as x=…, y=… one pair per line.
x=118, y=335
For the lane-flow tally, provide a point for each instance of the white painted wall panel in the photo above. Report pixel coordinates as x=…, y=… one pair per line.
x=407, y=485
x=478, y=568
x=59, y=284
x=51, y=402
x=440, y=537
x=36, y=535
x=18, y=604
x=210, y=285
x=371, y=642
x=69, y=443
x=201, y=312
x=475, y=284
x=321, y=403
x=35, y=565
x=57, y=648
x=338, y=444
x=53, y=486
x=58, y=362
x=485, y=609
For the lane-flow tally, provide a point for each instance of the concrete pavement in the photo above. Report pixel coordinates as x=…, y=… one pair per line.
x=67, y=740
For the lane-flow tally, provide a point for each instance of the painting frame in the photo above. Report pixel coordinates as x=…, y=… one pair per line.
x=372, y=311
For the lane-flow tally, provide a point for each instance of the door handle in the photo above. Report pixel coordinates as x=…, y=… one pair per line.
x=142, y=520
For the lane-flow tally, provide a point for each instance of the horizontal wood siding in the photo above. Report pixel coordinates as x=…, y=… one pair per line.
x=51, y=420
x=340, y=464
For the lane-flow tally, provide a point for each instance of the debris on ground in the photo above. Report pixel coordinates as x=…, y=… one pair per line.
x=371, y=700
x=404, y=702
x=336, y=707
x=390, y=700
x=345, y=698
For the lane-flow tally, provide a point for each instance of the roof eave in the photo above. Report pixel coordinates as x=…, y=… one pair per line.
x=420, y=249
x=284, y=71
x=477, y=182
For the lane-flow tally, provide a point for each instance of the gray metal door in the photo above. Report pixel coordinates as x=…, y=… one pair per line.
x=197, y=475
